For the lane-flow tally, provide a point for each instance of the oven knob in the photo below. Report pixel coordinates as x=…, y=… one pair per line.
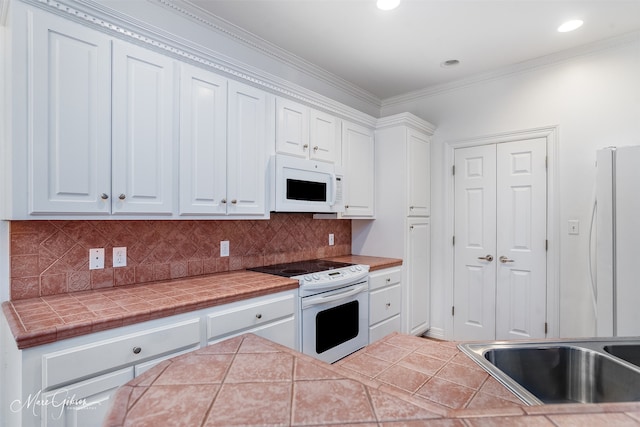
x=352, y=268
x=316, y=277
x=358, y=268
x=307, y=278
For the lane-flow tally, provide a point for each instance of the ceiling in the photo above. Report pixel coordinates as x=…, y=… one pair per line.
x=393, y=53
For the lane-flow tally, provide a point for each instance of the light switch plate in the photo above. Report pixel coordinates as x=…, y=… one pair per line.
x=96, y=258
x=574, y=226
x=331, y=240
x=224, y=248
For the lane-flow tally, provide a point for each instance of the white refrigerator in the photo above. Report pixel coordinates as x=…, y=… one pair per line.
x=618, y=242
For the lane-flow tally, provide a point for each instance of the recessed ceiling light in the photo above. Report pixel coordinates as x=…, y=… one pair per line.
x=450, y=63
x=570, y=26
x=387, y=4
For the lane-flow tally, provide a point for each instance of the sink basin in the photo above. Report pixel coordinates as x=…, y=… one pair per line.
x=628, y=352
x=562, y=372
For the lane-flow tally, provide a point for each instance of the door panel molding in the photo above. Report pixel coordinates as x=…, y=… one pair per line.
x=550, y=134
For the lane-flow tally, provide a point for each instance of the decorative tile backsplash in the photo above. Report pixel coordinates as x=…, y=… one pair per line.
x=52, y=257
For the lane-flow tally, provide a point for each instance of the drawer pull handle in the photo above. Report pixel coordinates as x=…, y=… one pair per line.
x=388, y=279
x=137, y=350
x=122, y=197
x=258, y=316
x=104, y=196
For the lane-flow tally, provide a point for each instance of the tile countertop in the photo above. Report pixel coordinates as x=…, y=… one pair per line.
x=43, y=320
x=400, y=380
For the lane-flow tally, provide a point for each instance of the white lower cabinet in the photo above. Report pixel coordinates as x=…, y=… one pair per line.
x=70, y=382
x=385, y=303
x=272, y=317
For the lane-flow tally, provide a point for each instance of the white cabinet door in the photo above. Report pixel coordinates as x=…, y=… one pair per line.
x=71, y=98
x=247, y=159
x=418, y=281
x=292, y=128
x=203, y=142
x=85, y=403
x=358, y=165
x=324, y=137
x=419, y=185
x=142, y=127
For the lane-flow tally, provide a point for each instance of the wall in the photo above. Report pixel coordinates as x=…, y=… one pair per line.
x=594, y=99
x=51, y=257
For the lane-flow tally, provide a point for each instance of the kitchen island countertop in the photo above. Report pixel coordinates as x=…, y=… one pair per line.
x=400, y=380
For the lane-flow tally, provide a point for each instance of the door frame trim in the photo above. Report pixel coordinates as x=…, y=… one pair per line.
x=550, y=133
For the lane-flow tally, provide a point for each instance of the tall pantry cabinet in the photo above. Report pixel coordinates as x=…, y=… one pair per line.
x=402, y=225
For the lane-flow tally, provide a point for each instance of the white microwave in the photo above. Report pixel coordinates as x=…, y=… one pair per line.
x=303, y=185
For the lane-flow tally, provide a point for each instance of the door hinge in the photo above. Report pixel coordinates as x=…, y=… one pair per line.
x=453, y=310
x=546, y=245
x=546, y=328
x=546, y=162
x=453, y=170
x=453, y=240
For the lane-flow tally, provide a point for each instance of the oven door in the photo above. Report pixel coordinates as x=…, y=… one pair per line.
x=336, y=323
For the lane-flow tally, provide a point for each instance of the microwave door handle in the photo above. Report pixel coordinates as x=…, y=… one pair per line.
x=334, y=183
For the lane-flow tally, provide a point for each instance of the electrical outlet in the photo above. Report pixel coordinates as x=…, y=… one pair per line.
x=224, y=248
x=120, y=257
x=332, y=240
x=96, y=258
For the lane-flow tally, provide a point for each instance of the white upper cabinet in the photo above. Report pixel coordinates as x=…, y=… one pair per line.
x=418, y=173
x=203, y=142
x=70, y=154
x=306, y=133
x=358, y=163
x=249, y=114
x=142, y=140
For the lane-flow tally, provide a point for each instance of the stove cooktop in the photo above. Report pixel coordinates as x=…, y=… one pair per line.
x=299, y=268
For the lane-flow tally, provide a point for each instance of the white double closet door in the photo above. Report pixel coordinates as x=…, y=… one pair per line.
x=500, y=241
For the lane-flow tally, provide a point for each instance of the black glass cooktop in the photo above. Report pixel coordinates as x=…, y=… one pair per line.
x=299, y=268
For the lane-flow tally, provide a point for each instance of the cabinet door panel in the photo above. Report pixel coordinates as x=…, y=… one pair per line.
x=358, y=163
x=203, y=142
x=418, y=286
x=85, y=403
x=292, y=131
x=419, y=185
x=70, y=157
x=143, y=114
x=324, y=137
x=246, y=150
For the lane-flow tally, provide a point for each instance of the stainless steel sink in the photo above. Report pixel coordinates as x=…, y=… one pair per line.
x=592, y=371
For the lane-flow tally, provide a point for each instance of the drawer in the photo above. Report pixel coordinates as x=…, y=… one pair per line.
x=89, y=360
x=382, y=278
x=383, y=329
x=249, y=315
x=384, y=303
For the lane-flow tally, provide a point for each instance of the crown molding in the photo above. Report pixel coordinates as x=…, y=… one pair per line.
x=240, y=35
x=520, y=68
x=406, y=119
x=114, y=23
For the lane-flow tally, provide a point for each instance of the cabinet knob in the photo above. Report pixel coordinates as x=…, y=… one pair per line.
x=122, y=197
x=234, y=201
x=104, y=196
x=305, y=146
x=388, y=279
x=388, y=304
x=315, y=148
x=137, y=350
x=258, y=316
x=346, y=206
x=411, y=207
x=223, y=201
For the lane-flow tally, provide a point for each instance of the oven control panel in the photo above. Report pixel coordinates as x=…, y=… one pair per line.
x=333, y=278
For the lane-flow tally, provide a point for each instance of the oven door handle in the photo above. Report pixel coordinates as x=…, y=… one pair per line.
x=308, y=302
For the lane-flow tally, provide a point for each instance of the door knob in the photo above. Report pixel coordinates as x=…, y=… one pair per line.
x=486, y=258
x=503, y=259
